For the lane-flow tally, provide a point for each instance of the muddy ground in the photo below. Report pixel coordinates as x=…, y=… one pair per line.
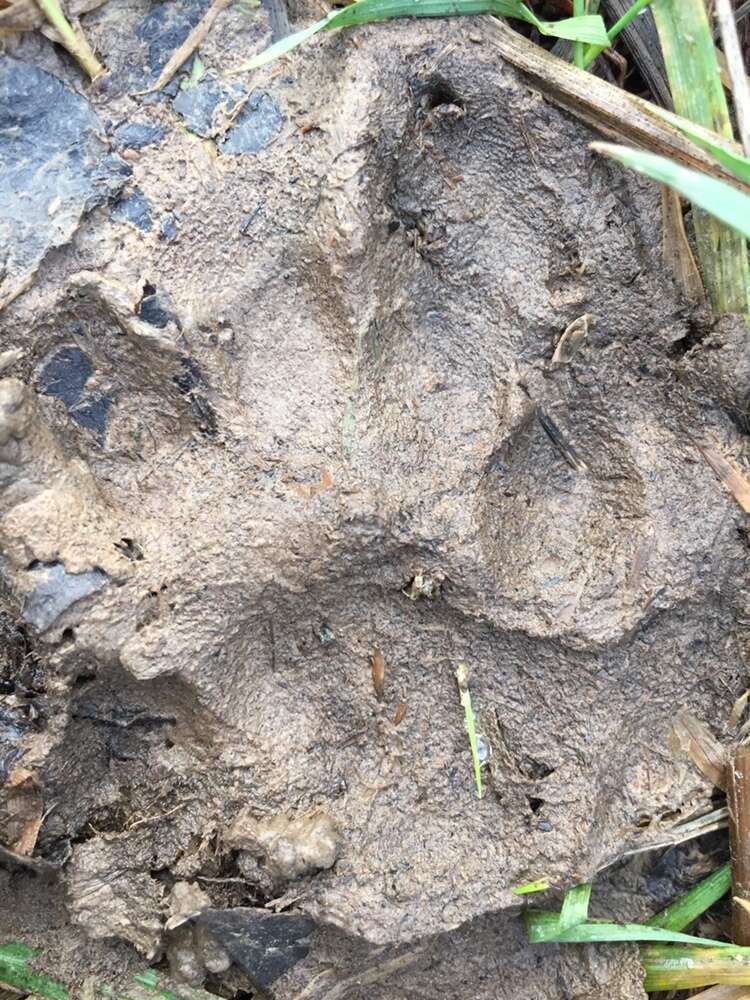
x=278, y=393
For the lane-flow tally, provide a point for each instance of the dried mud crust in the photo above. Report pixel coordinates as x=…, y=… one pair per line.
x=323, y=385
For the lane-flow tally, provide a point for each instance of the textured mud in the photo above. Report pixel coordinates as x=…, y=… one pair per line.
x=273, y=410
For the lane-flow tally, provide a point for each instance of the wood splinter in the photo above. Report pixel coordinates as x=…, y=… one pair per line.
x=738, y=800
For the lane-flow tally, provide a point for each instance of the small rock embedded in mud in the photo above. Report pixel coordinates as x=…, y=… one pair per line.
x=134, y=209
x=12, y=731
x=56, y=590
x=55, y=167
x=166, y=27
x=256, y=126
x=202, y=106
x=137, y=135
x=157, y=310
x=288, y=847
x=264, y=945
x=65, y=376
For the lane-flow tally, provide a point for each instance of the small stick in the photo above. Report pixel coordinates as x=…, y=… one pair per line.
x=736, y=65
x=74, y=41
x=738, y=800
x=190, y=44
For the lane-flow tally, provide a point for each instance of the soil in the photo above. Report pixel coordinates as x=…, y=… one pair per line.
x=274, y=410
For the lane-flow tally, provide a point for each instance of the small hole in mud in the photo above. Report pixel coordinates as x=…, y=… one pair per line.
x=439, y=92
x=535, y=770
x=149, y=289
x=68, y=636
x=130, y=549
x=534, y=804
x=85, y=677
x=168, y=744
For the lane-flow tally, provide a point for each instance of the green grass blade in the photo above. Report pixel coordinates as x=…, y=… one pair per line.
x=721, y=200
x=733, y=162
x=579, y=9
x=698, y=94
x=680, y=914
x=539, y=885
x=15, y=972
x=680, y=967
x=463, y=690
x=575, y=908
x=632, y=12
x=589, y=29
x=543, y=927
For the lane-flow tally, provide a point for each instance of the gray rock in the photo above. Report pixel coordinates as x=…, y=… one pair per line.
x=137, y=135
x=166, y=28
x=135, y=209
x=65, y=375
x=92, y=413
x=257, y=125
x=201, y=105
x=56, y=591
x=264, y=945
x=54, y=168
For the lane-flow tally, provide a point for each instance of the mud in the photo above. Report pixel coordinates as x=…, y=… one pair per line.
x=306, y=412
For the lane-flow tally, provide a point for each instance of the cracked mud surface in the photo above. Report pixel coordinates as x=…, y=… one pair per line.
x=235, y=440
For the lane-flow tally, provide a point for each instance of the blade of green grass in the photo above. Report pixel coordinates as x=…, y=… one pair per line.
x=15, y=972
x=679, y=967
x=595, y=50
x=589, y=28
x=733, y=162
x=579, y=9
x=680, y=914
x=721, y=200
x=575, y=907
x=698, y=95
x=463, y=689
x=540, y=885
x=543, y=927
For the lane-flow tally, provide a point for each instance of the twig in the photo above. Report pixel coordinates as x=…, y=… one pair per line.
x=736, y=66
x=738, y=801
x=190, y=44
x=74, y=41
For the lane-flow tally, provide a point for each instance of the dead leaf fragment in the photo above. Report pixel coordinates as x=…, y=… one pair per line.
x=691, y=737
x=731, y=477
x=378, y=674
x=21, y=811
x=571, y=339
x=398, y=718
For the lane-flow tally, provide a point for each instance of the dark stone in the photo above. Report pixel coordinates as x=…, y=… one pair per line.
x=137, y=135
x=190, y=377
x=200, y=105
x=12, y=731
x=256, y=126
x=55, y=167
x=134, y=209
x=56, y=590
x=168, y=229
x=92, y=413
x=65, y=375
x=264, y=945
x=157, y=309
x=166, y=28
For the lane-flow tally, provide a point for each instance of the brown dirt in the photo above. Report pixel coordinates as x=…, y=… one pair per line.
x=370, y=352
